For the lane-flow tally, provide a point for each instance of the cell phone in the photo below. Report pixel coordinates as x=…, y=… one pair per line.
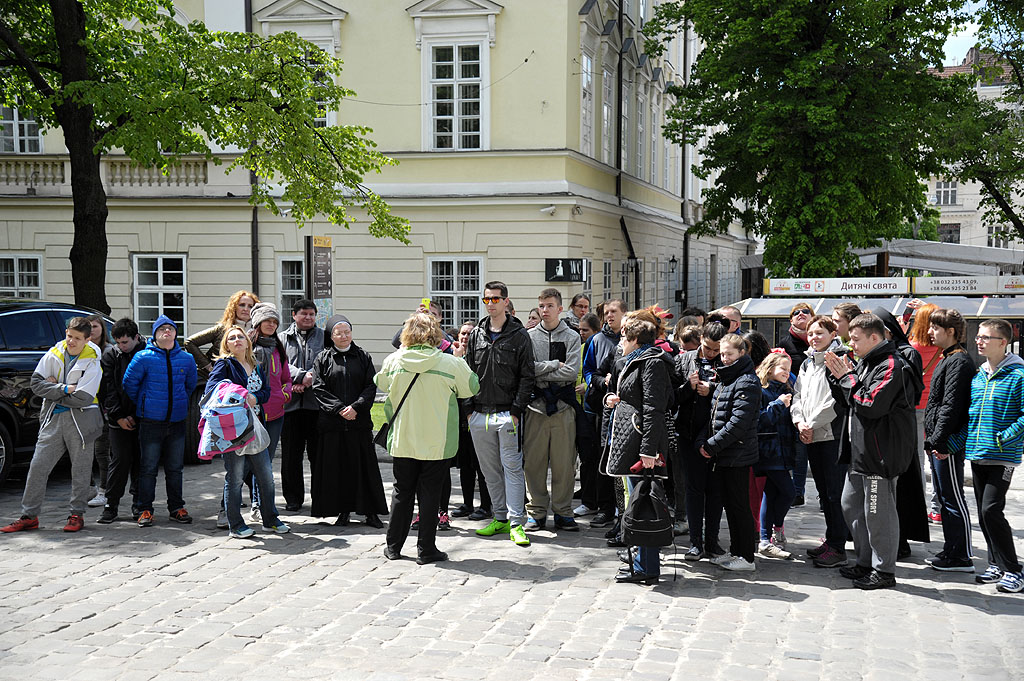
x=425, y=302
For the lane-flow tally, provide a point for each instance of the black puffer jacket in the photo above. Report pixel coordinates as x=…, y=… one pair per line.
x=735, y=410
x=505, y=367
x=644, y=388
x=949, y=400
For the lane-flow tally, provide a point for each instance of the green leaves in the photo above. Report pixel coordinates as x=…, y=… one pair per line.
x=818, y=117
x=160, y=91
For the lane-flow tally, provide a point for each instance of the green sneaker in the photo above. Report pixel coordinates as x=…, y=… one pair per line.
x=518, y=535
x=493, y=528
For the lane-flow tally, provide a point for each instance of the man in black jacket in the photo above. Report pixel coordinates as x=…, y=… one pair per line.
x=882, y=436
x=945, y=415
x=499, y=350
x=120, y=414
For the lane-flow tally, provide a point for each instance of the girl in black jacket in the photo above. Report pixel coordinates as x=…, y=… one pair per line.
x=732, y=447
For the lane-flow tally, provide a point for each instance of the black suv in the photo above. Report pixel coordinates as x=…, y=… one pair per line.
x=28, y=328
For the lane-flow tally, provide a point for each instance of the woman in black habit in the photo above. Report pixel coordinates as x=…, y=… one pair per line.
x=345, y=475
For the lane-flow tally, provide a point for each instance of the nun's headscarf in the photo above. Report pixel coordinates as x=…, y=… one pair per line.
x=335, y=320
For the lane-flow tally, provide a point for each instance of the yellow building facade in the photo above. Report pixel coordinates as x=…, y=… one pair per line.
x=510, y=132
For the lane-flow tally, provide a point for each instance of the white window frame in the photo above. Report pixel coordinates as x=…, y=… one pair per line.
x=14, y=129
x=18, y=291
x=607, y=115
x=159, y=287
x=456, y=294
x=282, y=291
x=654, y=145
x=666, y=167
x=587, y=104
x=640, y=138
x=588, y=278
x=945, y=193
x=624, y=142
x=606, y=280
x=427, y=80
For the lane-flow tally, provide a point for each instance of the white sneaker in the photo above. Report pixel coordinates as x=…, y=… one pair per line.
x=222, y=520
x=738, y=563
x=99, y=500
x=722, y=559
x=770, y=550
x=583, y=510
x=255, y=515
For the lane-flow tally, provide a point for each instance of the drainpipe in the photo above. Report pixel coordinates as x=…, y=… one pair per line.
x=618, y=109
x=254, y=226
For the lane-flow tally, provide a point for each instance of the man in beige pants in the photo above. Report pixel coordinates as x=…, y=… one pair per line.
x=549, y=433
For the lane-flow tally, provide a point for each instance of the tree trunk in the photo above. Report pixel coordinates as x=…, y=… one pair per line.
x=89, y=250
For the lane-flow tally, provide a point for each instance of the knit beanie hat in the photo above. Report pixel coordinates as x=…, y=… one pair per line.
x=163, y=320
x=261, y=312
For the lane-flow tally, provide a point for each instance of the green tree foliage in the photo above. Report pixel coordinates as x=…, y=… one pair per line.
x=123, y=74
x=816, y=116
x=984, y=135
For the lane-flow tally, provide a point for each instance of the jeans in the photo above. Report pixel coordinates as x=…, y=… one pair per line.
x=416, y=479
x=470, y=473
x=778, y=495
x=948, y=483
x=800, y=467
x=647, y=558
x=161, y=442
x=234, y=468
x=274, y=431
x=830, y=479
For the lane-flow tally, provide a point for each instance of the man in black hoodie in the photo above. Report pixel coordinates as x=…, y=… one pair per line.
x=120, y=414
x=500, y=352
x=882, y=434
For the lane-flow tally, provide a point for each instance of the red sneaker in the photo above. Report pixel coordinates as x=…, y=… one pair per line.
x=22, y=523
x=75, y=523
x=935, y=517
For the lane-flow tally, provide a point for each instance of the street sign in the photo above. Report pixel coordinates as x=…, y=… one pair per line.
x=564, y=269
x=852, y=286
x=323, y=277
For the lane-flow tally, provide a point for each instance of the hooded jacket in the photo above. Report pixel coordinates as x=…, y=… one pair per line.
x=228, y=368
x=911, y=357
x=160, y=382
x=880, y=394
x=813, y=401
x=302, y=350
x=114, y=362
x=84, y=373
x=694, y=415
x=948, y=408
x=427, y=427
x=644, y=388
x=600, y=347
x=551, y=348
x=995, y=429
x=505, y=367
x=735, y=409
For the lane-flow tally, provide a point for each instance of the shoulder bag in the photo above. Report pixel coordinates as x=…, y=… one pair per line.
x=381, y=438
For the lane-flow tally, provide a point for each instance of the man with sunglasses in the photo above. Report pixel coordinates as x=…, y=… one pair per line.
x=994, y=441
x=794, y=341
x=500, y=352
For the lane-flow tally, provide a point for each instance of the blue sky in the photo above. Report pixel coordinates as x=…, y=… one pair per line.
x=958, y=44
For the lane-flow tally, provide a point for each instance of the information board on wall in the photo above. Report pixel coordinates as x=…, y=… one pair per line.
x=322, y=280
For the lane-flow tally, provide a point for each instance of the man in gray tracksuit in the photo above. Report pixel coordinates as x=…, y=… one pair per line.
x=549, y=428
x=67, y=377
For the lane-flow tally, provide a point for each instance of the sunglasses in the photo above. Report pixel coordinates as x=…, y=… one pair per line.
x=799, y=313
x=488, y=301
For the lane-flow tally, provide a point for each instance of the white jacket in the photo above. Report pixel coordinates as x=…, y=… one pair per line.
x=813, y=402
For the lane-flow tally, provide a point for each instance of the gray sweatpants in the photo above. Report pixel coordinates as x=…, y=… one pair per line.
x=59, y=434
x=501, y=461
x=869, y=507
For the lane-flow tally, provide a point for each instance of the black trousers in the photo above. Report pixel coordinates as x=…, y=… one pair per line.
x=990, y=486
x=596, y=491
x=470, y=475
x=736, y=499
x=420, y=481
x=300, y=436
x=124, y=464
x=703, y=497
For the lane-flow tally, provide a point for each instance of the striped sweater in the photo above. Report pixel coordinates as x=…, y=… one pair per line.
x=995, y=429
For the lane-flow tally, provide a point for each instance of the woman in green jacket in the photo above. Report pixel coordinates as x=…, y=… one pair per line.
x=425, y=433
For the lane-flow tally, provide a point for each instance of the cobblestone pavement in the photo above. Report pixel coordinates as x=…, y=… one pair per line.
x=183, y=602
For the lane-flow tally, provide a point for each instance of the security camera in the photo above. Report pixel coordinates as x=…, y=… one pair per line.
x=550, y=210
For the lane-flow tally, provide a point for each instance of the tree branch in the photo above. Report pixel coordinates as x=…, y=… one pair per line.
x=49, y=66
x=1004, y=205
x=24, y=61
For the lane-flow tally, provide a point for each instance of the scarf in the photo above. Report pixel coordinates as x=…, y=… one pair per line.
x=797, y=333
x=264, y=348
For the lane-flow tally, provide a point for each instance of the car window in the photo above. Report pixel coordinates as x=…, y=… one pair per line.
x=64, y=315
x=29, y=330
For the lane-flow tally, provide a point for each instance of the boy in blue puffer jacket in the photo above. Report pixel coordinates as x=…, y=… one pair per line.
x=994, y=440
x=160, y=380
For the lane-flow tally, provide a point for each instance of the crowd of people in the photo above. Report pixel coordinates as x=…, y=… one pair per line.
x=727, y=422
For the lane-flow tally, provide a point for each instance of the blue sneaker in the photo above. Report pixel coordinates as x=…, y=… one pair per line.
x=532, y=524
x=990, y=576
x=567, y=523
x=242, y=532
x=1011, y=583
x=279, y=527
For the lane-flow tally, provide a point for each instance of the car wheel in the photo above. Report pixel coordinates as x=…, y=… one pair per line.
x=192, y=428
x=6, y=453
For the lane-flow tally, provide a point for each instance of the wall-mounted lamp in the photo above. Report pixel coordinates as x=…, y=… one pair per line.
x=548, y=210
x=672, y=262
x=632, y=263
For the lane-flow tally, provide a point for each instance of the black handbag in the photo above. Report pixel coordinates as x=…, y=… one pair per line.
x=647, y=521
x=381, y=438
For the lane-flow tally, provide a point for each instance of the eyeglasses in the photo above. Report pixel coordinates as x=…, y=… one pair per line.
x=986, y=339
x=488, y=301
